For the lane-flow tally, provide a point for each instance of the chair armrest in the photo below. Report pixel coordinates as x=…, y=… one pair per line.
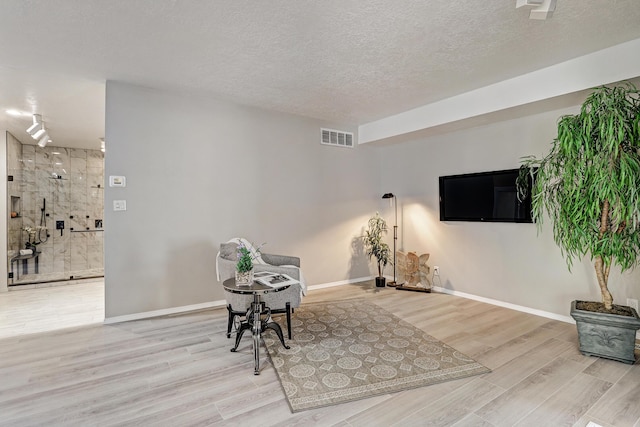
x=281, y=259
x=226, y=269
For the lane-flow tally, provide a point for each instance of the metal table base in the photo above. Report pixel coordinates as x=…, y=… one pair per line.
x=258, y=326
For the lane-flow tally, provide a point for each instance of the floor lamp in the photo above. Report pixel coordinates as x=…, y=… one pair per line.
x=395, y=234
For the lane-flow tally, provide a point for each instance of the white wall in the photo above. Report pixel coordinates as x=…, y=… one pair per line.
x=502, y=261
x=201, y=172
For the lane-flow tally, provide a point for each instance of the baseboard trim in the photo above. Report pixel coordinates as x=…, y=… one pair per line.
x=222, y=303
x=541, y=313
x=164, y=312
x=210, y=304
x=339, y=283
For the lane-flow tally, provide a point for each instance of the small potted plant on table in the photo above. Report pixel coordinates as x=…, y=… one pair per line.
x=244, y=267
x=375, y=247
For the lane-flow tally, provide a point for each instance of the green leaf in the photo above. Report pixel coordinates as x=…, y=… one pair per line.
x=595, y=157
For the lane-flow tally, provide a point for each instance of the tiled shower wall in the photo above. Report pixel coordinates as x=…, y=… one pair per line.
x=68, y=183
x=14, y=193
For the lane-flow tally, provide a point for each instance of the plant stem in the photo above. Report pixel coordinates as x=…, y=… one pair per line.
x=603, y=273
x=607, y=299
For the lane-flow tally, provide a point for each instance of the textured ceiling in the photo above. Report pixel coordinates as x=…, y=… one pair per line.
x=345, y=61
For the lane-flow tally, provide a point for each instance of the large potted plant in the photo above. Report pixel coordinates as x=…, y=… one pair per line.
x=375, y=247
x=589, y=186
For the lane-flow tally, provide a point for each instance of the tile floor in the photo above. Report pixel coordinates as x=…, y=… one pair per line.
x=28, y=311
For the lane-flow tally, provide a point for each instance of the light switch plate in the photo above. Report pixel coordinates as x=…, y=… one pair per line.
x=119, y=205
x=117, y=181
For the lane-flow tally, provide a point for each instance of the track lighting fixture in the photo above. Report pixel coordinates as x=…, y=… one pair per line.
x=36, y=126
x=38, y=131
x=43, y=141
x=38, y=134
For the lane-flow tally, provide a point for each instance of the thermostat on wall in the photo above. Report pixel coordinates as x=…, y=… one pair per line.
x=117, y=181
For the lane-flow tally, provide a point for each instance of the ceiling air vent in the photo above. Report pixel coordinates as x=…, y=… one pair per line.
x=336, y=138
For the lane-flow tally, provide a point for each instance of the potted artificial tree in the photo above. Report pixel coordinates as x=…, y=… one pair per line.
x=375, y=247
x=589, y=185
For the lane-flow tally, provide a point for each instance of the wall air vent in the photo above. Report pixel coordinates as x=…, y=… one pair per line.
x=336, y=138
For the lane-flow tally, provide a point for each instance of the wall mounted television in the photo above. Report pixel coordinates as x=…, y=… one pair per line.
x=485, y=196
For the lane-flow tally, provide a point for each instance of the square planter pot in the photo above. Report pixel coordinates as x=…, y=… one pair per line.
x=606, y=335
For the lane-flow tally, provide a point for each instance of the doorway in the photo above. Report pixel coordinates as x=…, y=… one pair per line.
x=56, y=204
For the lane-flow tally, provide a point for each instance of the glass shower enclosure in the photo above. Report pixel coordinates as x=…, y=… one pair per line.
x=56, y=205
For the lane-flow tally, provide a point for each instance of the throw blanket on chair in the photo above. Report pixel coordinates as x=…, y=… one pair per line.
x=255, y=253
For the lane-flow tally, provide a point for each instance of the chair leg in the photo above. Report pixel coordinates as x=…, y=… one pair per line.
x=289, y=319
x=230, y=322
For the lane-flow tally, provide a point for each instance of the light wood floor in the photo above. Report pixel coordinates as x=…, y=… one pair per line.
x=39, y=308
x=178, y=371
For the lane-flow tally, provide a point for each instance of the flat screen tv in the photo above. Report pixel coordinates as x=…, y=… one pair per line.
x=485, y=196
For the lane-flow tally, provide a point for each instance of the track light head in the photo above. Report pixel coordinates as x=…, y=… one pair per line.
x=38, y=134
x=37, y=124
x=43, y=141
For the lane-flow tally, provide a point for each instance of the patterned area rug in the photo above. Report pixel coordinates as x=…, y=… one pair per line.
x=351, y=350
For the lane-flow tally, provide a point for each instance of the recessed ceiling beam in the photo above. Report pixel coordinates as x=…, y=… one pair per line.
x=542, y=9
x=620, y=62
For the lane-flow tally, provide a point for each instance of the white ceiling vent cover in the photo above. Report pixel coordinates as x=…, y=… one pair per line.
x=336, y=138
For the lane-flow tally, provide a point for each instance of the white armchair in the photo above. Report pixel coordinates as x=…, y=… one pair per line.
x=279, y=302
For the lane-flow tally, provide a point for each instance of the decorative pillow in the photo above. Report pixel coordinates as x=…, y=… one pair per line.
x=229, y=251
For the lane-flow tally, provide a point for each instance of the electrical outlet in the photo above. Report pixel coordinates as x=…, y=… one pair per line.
x=436, y=270
x=632, y=303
